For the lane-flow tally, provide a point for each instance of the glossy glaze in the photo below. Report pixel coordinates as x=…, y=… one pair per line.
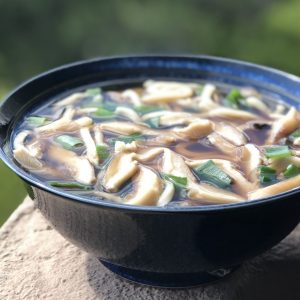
x=168, y=241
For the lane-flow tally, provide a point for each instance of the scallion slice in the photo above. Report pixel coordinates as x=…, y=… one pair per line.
x=234, y=98
x=180, y=182
x=198, y=90
x=37, y=121
x=291, y=171
x=277, y=152
x=69, y=142
x=70, y=185
x=102, y=151
x=145, y=108
x=295, y=134
x=93, y=92
x=153, y=122
x=211, y=173
x=103, y=113
x=127, y=138
x=266, y=174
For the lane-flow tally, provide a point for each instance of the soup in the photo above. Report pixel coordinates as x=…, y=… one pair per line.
x=163, y=143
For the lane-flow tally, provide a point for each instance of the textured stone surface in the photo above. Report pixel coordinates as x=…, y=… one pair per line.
x=37, y=263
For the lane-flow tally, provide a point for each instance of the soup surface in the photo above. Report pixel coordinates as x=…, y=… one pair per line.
x=163, y=143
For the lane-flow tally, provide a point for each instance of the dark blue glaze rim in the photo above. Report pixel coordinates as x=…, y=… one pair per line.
x=189, y=60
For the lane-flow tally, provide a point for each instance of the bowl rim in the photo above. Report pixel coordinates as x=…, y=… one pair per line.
x=141, y=208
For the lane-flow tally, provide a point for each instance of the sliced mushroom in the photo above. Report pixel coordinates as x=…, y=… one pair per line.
x=121, y=168
x=121, y=127
x=163, y=139
x=219, y=142
x=167, y=194
x=147, y=187
x=276, y=188
x=285, y=125
x=86, y=110
x=91, y=151
x=165, y=91
x=207, y=193
x=196, y=129
x=148, y=154
x=249, y=92
x=205, y=101
x=229, y=113
x=231, y=134
x=257, y=104
x=188, y=103
x=251, y=158
x=296, y=141
x=70, y=100
x=27, y=157
x=123, y=147
x=78, y=167
x=128, y=113
x=132, y=96
x=99, y=139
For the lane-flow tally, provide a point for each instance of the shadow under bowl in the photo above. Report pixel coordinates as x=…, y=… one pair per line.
x=170, y=247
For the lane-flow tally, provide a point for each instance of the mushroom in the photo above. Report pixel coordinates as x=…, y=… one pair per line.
x=99, y=136
x=27, y=157
x=196, y=129
x=284, y=125
x=231, y=133
x=276, y=188
x=167, y=194
x=91, y=150
x=123, y=147
x=121, y=168
x=147, y=187
x=257, y=104
x=132, y=96
x=229, y=113
x=205, y=101
x=69, y=100
x=128, y=113
x=108, y=196
x=148, y=154
x=78, y=167
x=121, y=127
x=170, y=118
x=207, y=193
x=165, y=91
x=222, y=144
x=251, y=159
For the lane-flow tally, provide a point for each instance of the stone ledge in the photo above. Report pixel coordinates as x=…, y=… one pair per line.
x=36, y=262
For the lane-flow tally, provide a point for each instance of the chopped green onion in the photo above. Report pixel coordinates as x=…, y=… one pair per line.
x=178, y=181
x=295, y=134
x=153, y=122
x=267, y=174
x=37, y=121
x=198, y=90
x=127, y=139
x=70, y=185
x=277, y=152
x=69, y=142
x=109, y=105
x=145, y=108
x=291, y=171
x=93, y=92
x=102, y=112
x=102, y=151
x=234, y=98
x=210, y=172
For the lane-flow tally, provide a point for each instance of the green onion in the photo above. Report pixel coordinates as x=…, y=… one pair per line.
x=93, y=92
x=102, y=151
x=37, y=121
x=70, y=185
x=295, y=134
x=180, y=182
x=109, y=105
x=267, y=174
x=210, y=172
x=102, y=112
x=145, y=108
x=198, y=90
x=153, y=122
x=291, y=171
x=277, y=152
x=69, y=142
x=127, y=138
x=234, y=98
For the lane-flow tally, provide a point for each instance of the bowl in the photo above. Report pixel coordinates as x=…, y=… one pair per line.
x=169, y=247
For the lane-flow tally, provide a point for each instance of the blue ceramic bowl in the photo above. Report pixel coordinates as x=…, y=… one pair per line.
x=171, y=247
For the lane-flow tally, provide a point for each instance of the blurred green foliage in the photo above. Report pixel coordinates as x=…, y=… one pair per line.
x=38, y=35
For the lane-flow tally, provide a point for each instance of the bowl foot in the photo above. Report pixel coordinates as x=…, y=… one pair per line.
x=169, y=280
